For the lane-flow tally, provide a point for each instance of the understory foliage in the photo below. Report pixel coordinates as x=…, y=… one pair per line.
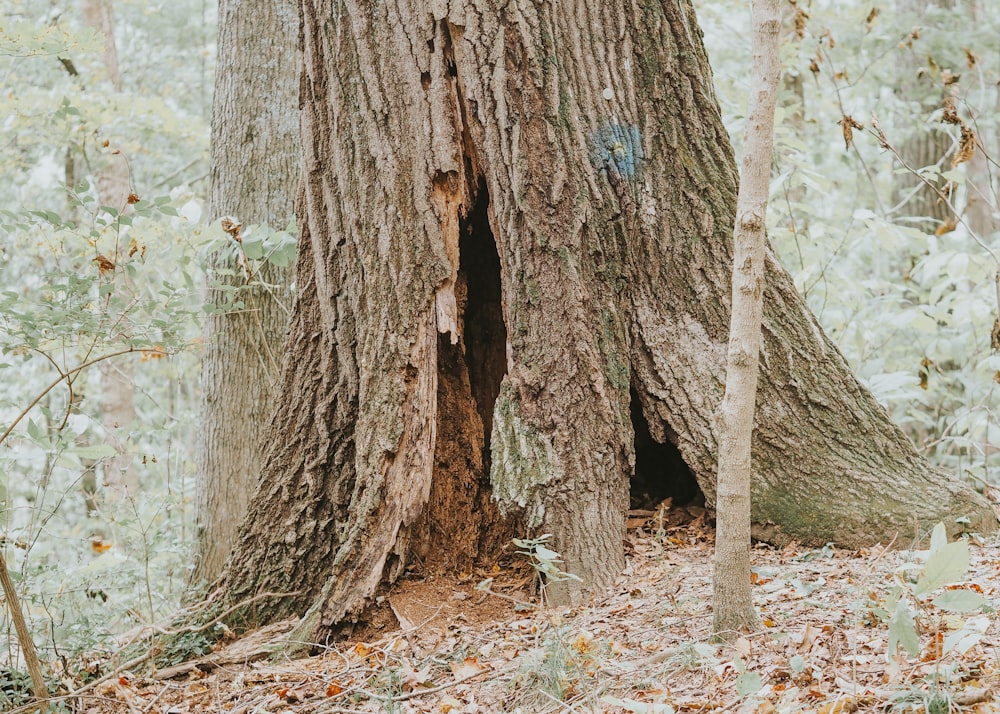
x=84, y=279
x=911, y=301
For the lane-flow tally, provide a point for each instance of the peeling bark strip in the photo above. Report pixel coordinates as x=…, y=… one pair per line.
x=595, y=133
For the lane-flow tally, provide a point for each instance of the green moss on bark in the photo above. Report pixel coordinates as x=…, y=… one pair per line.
x=523, y=460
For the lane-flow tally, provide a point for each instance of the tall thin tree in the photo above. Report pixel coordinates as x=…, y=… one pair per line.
x=732, y=604
x=117, y=391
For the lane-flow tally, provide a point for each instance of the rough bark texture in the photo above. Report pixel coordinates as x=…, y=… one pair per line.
x=732, y=607
x=256, y=171
x=591, y=137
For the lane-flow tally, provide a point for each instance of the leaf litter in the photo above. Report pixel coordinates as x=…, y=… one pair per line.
x=829, y=643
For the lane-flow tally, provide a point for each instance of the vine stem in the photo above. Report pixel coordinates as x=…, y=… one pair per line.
x=65, y=375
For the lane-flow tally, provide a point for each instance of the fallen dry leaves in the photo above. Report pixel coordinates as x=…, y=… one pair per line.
x=645, y=647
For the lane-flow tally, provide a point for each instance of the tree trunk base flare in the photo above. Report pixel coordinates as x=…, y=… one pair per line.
x=513, y=280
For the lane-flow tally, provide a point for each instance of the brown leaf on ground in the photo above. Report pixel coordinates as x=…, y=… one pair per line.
x=647, y=641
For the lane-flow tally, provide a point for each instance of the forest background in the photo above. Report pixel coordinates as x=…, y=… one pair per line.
x=97, y=485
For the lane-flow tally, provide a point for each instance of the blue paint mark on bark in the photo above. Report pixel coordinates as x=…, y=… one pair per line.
x=617, y=148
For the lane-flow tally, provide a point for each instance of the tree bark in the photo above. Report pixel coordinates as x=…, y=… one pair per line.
x=982, y=206
x=926, y=144
x=582, y=146
x=732, y=604
x=117, y=415
x=256, y=171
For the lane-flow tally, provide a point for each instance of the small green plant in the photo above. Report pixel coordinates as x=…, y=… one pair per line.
x=543, y=559
x=15, y=687
x=559, y=666
x=935, y=702
x=183, y=647
x=920, y=587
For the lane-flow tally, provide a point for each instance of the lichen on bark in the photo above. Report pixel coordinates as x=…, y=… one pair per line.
x=523, y=460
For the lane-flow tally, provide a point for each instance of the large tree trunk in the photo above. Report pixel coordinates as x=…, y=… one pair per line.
x=575, y=157
x=256, y=171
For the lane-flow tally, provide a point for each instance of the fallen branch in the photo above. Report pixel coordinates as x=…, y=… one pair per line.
x=484, y=587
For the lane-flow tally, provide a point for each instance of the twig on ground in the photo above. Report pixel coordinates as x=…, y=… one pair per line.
x=216, y=620
x=155, y=699
x=152, y=653
x=446, y=685
x=412, y=628
x=484, y=587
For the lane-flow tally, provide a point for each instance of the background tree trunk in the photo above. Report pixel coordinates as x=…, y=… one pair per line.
x=982, y=205
x=732, y=604
x=256, y=172
x=927, y=143
x=574, y=156
x=117, y=384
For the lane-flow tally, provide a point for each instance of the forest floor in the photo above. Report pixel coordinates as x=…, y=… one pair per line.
x=442, y=645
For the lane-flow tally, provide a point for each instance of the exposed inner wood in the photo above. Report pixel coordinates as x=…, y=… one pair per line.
x=460, y=523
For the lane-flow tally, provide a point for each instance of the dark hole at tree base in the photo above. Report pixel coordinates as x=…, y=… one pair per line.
x=660, y=471
x=461, y=526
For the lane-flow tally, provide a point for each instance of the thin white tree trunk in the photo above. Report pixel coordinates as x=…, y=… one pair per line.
x=733, y=605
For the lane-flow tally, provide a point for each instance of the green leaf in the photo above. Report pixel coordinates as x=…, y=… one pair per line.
x=95, y=451
x=946, y=565
x=960, y=641
x=939, y=537
x=959, y=600
x=546, y=554
x=903, y=631
x=35, y=432
x=798, y=664
x=253, y=247
x=283, y=256
x=748, y=683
